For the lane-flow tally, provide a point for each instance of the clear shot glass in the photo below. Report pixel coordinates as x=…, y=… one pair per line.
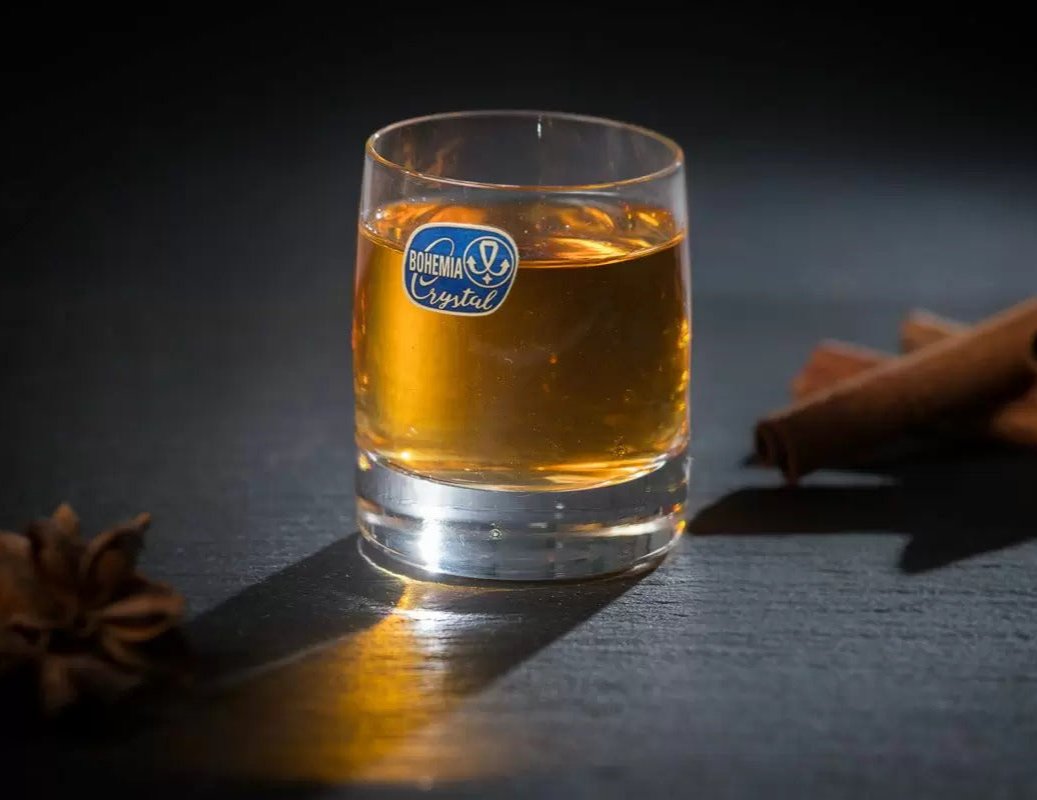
x=521, y=345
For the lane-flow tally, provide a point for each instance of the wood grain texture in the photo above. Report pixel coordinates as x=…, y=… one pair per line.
x=175, y=338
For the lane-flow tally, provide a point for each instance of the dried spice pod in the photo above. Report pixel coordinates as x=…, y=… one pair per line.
x=26, y=605
x=55, y=549
x=143, y=615
x=109, y=560
x=82, y=614
x=64, y=679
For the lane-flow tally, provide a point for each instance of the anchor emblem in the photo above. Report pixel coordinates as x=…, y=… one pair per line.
x=487, y=270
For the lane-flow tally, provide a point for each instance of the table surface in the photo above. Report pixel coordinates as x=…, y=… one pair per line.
x=174, y=321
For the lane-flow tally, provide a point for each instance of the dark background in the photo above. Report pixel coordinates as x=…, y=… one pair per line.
x=800, y=104
x=177, y=222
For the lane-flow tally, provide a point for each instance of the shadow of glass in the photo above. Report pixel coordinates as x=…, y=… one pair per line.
x=326, y=596
x=335, y=670
x=953, y=506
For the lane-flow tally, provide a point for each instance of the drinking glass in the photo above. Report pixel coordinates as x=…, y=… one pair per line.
x=521, y=345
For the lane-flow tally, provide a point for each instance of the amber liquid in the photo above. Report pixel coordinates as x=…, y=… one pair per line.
x=579, y=379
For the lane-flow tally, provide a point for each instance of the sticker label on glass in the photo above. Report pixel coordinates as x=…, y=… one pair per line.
x=459, y=269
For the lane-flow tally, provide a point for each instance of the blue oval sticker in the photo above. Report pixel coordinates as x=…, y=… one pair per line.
x=459, y=269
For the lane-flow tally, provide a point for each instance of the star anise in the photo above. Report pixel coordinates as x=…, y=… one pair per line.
x=80, y=613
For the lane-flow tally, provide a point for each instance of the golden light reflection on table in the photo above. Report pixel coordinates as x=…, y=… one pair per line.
x=372, y=707
x=341, y=672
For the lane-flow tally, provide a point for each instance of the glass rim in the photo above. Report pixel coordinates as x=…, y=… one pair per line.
x=676, y=153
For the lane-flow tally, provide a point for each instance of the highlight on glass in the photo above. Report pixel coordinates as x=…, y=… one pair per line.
x=521, y=345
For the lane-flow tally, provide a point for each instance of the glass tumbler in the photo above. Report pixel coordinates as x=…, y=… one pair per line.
x=521, y=345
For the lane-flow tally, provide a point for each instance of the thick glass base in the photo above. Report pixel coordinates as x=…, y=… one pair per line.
x=441, y=528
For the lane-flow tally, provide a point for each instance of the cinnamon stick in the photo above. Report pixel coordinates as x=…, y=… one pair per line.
x=831, y=363
x=921, y=328
x=1014, y=422
x=983, y=366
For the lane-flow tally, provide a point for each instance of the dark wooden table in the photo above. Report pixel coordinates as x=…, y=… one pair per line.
x=174, y=320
